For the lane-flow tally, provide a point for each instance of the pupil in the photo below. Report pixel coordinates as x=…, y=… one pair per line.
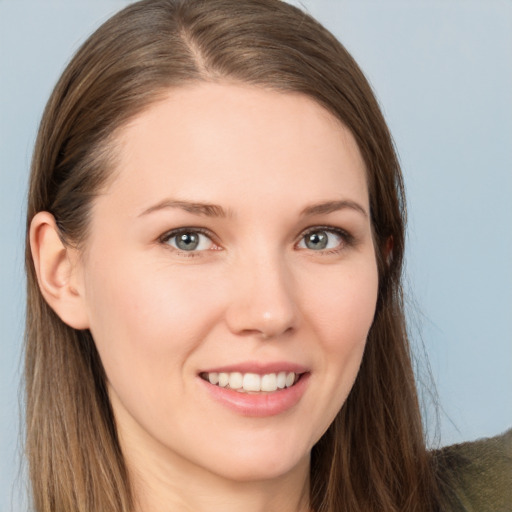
x=187, y=241
x=317, y=240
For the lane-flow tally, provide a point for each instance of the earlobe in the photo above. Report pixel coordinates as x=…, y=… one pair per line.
x=57, y=271
x=388, y=250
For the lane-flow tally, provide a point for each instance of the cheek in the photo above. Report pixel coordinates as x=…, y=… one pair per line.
x=343, y=309
x=341, y=316
x=147, y=320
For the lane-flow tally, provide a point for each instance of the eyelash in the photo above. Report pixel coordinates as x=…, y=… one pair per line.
x=347, y=239
x=166, y=237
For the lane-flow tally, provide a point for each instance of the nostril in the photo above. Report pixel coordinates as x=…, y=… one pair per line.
x=265, y=312
x=270, y=334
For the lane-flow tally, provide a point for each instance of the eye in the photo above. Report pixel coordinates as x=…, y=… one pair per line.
x=322, y=239
x=188, y=240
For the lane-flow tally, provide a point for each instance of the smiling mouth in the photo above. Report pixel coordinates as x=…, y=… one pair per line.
x=252, y=382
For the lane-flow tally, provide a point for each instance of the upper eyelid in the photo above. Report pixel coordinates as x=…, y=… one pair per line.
x=321, y=227
x=332, y=229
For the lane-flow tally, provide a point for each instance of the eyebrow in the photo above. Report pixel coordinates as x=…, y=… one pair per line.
x=206, y=209
x=332, y=206
x=214, y=210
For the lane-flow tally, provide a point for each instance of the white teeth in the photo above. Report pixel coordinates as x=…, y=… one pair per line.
x=281, y=380
x=252, y=382
x=269, y=382
x=235, y=380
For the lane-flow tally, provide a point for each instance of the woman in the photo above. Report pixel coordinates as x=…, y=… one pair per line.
x=215, y=230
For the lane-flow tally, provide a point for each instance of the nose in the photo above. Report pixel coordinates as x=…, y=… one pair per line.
x=263, y=301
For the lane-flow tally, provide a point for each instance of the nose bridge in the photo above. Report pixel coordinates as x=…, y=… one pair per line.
x=263, y=302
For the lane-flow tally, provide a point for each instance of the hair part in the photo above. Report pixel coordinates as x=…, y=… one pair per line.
x=373, y=456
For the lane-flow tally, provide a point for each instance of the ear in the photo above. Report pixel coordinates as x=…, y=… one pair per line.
x=388, y=250
x=58, y=271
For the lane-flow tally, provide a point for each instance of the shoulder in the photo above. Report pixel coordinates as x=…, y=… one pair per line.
x=476, y=476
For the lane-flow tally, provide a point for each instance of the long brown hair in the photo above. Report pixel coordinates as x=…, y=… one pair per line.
x=373, y=456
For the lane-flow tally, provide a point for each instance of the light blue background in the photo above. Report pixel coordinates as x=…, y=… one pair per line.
x=443, y=73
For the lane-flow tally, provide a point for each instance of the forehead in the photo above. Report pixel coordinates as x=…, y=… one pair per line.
x=235, y=141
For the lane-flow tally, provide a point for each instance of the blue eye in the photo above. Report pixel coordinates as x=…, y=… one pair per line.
x=321, y=240
x=188, y=240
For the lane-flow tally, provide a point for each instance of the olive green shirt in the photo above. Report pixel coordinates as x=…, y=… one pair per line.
x=477, y=476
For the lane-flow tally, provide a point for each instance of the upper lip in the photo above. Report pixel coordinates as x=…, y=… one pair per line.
x=259, y=368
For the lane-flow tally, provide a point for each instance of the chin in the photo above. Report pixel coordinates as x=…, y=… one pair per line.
x=261, y=467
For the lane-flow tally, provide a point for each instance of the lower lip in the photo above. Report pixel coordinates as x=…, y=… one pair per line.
x=259, y=404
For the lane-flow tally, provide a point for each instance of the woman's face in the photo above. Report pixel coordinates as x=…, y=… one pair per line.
x=233, y=244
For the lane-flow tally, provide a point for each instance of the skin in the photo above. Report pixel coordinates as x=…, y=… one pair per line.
x=253, y=291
